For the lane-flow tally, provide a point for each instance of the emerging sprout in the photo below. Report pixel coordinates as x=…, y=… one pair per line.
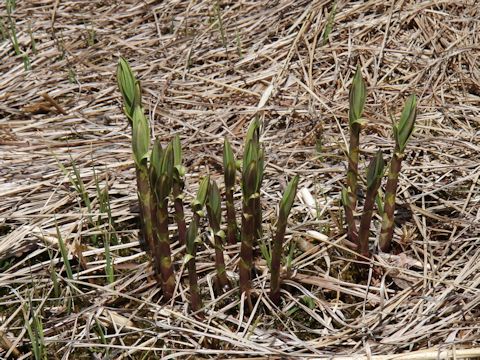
x=192, y=233
x=161, y=179
x=230, y=171
x=357, y=103
x=129, y=87
x=285, y=207
x=402, y=132
x=215, y=218
x=177, y=190
x=374, y=179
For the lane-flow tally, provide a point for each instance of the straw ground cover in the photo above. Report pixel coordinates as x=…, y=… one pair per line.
x=206, y=70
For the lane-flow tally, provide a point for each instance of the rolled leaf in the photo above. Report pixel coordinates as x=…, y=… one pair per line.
x=404, y=128
x=215, y=218
x=374, y=179
x=140, y=136
x=375, y=170
x=199, y=202
x=129, y=87
x=357, y=98
x=230, y=171
x=288, y=197
x=402, y=132
x=229, y=166
x=177, y=190
x=285, y=207
x=192, y=233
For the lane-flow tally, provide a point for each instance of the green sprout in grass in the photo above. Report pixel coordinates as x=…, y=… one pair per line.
x=229, y=173
x=374, y=179
x=214, y=212
x=192, y=239
x=349, y=195
x=255, y=152
x=177, y=190
x=252, y=174
x=34, y=326
x=285, y=207
x=161, y=180
x=329, y=25
x=130, y=88
x=402, y=131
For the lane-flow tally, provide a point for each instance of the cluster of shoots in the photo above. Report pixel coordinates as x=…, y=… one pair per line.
x=160, y=182
x=402, y=131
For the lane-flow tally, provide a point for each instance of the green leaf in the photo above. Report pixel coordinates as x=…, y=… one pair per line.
x=249, y=180
x=128, y=86
x=253, y=132
x=140, y=136
x=250, y=153
x=404, y=128
x=229, y=166
x=177, y=150
x=214, y=201
x=161, y=169
x=375, y=169
x=187, y=258
x=344, y=196
x=288, y=197
x=179, y=169
x=166, y=164
x=166, y=170
x=260, y=169
x=201, y=197
x=155, y=158
x=357, y=98
x=191, y=236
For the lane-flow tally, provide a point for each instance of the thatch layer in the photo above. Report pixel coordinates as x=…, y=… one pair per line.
x=206, y=69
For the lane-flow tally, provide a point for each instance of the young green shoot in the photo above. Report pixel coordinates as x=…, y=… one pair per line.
x=161, y=180
x=277, y=251
x=229, y=173
x=329, y=25
x=214, y=212
x=254, y=152
x=218, y=15
x=251, y=230
x=109, y=236
x=129, y=87
x=177, y=190
x=33, y=323
x=132, y=105
x=192, y=239
x=374, y=179
x=64, y=252
x=349, y=195
x=402, y=131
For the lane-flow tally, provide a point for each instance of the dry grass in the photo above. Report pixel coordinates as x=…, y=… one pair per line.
x=205, y=81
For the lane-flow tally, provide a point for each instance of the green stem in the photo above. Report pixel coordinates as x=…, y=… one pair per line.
x=144, y=199
x=386, y=233
x=246, y=249
x=179, y=213
x=365, y=221
x=258, y=217
x=276, y=259
x=219, y=258
x=195, y=298
x=231, y=218
x=162, y=250
x=352, y=175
